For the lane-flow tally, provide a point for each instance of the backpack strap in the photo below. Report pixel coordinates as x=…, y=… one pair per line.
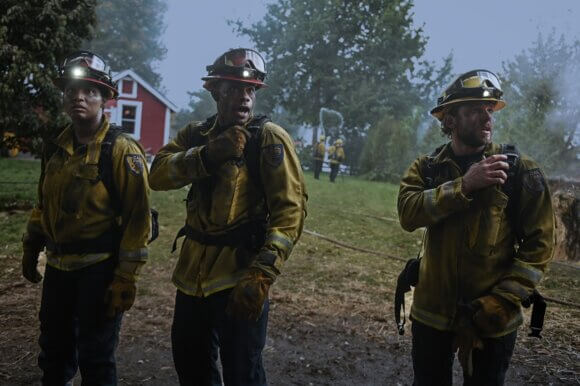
x=105, y=165
x=512, y=185
x=253, y=148
x=431, y=170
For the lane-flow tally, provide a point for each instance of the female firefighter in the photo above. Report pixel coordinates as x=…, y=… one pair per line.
x=93, y=218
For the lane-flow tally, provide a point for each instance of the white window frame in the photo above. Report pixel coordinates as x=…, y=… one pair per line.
x=139, y=108
x=133, y=93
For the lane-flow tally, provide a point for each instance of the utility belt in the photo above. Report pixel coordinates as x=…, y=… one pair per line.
x=106, y=242
x=250, y=235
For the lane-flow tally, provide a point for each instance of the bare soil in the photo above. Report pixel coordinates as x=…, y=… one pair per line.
x=315, y=337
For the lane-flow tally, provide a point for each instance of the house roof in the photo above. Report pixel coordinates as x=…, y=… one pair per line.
x=146, y=85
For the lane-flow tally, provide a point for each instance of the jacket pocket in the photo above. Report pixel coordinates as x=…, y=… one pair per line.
x=79, y=189
x=484, y=231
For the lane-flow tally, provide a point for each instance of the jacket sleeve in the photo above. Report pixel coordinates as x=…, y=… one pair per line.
x=419, y=207
x=34, y=238
x=177, y=164
x=536, y=234
x=285, y=195
x=131, y=180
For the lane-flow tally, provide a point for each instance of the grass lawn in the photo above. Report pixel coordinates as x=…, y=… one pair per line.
x=322, y=283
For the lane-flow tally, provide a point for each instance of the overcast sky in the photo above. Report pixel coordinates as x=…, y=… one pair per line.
x=480, y=34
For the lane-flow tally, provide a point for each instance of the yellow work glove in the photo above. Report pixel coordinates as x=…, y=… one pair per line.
x=29, y=265
x=465, y=341
x=248, y=296
x=493, y=313
x=120, y=296
x=229, y=144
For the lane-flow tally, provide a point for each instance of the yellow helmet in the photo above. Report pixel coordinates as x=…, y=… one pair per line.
x=476, y=85
x=338, y=142
x=322, y=138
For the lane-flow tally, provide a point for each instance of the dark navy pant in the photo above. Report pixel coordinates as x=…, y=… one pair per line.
x=433, y=358
x=317, y=168
x=333, y=171
x=200, y=325
x=74, y=331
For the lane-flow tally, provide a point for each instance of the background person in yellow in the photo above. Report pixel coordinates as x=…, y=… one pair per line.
x=245, y=212
x=335, y=156
x=489, y=238
x=93, y=218
x=319, y=151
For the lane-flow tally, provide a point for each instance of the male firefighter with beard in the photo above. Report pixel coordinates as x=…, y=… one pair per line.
x=319, y=151
x=489, y=236
x=245, y=212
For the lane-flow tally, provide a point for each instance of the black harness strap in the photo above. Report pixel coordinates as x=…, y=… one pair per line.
x=251, y=235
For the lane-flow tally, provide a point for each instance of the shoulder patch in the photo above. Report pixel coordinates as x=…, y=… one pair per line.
x=533, y=181
x=134, y=164
x=273, y=154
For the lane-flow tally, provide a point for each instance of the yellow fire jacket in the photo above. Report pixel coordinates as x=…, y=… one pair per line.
x=336, y=154
x=74, y=204
x=226, y=199
x=470, y=245
x=320, y=150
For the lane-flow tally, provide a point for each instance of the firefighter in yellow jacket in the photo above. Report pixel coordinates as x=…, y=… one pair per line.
x=245, y=213
x=319, y=152
x=489, y=222
x=336, y=157
x=93, y=218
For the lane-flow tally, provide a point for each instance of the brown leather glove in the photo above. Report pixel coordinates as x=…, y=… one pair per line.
x=465, y=341
x=229, y=144
x=120, y=295
x=29, y=265
x=248, y=296
x=493, y=313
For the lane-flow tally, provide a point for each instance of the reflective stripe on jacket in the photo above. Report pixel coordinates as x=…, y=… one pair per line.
x=470, y=245
x=228, y=198
x=74, y=204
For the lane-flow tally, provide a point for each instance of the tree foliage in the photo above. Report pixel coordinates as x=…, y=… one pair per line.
x=128, y=35
x=351, y=56
x=200, y=107
x=543, y=103
x=35, y=36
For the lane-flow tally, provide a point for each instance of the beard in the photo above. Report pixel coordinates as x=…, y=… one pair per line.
x=473, y=137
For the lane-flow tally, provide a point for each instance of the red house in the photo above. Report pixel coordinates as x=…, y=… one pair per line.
x=141, y=110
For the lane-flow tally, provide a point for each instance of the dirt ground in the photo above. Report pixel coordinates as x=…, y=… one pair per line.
x=308, y=343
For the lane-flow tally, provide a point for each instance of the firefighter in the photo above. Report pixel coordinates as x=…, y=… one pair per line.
x=336, y=157
x=245, y=212
x=93, y=218
x=489, y=236
x=319, y=152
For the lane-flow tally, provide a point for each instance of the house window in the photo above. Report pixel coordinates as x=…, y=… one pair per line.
x=129, y=117
x=127, y=88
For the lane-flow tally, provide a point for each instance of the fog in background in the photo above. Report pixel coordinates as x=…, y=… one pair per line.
x=480, y=34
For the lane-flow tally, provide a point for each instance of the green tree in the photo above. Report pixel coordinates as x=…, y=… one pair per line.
x=201, y=106
x=35, y=36
x=351, y=56
x=543, y=103
x=128, y=35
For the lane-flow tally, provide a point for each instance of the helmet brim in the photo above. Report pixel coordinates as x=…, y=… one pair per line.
x=63, y=81
x=254, y=82
x=439, y=111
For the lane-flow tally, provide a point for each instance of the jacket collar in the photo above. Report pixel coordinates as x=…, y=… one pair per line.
x=65, y=140
x=444, y=153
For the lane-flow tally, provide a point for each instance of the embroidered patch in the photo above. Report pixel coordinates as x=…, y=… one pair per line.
x=134, y=163
x=534, y=181
x=274, y=154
